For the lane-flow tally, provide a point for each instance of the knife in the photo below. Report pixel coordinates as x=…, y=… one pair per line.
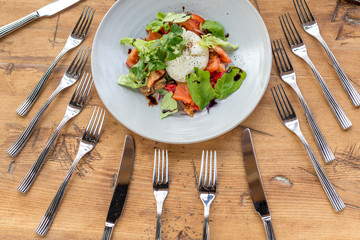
x=255, y=184
x=121, y=187
x=47, y=11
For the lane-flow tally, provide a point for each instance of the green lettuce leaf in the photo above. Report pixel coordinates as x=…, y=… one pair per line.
x=127, y=41
x=211, y=41
x=128, y=80
x=215, y=28
x=168, y=105
x=200, y=88
x=164, y=20
x=230, y=82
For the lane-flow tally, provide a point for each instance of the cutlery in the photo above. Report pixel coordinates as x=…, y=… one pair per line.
x=71, y=75
x=289, y=119
x=45, y=11
x=309, y=24
x=75, y=106
x=87, y=143
x=256, y=187
x=160, y=185
x=287, y=74
x=121, y=187
x=75, y=38
x=207, y=188
x=298, y=47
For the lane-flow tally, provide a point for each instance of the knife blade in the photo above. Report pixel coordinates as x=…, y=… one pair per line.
x=48, y=10
x=121, y=187
x=256, y=188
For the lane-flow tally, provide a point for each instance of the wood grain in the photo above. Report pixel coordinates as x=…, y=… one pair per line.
x=299, y=207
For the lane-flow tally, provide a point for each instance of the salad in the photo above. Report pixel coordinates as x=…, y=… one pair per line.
x=182, y=63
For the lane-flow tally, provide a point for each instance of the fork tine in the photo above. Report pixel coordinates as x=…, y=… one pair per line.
x=206, y=167
x=82, y=62
x=75, y=96
x=283, y=101
x=158, y=174
x=103, y=112
x=287, y=62
x=75, y=59
x=278, y=104
x=210, y=170
x=287, y=100
x=92, y=129
x=90, y=121
x=77, y=23
x=85, y=90
x=309, y=11
x=87, y=23
x=154, y=170
x=163, y=166
x=293, y=28
x=82, y=17
x=167, y=167
x=201, y=168
x=215, y=169
x=288, y=35
x=299, y=12
x=273, y=47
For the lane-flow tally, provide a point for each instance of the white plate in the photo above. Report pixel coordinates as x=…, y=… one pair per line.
x=128, y=18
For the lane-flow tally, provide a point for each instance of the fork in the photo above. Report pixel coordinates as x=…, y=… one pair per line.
x=287, y=74
x=87, y=143
x=289, y=119
x=310, y=26
x=299, y=49
x=160, y=185
x=75, y=38
x=75, y=106
x=71, y=75
x=207, y=188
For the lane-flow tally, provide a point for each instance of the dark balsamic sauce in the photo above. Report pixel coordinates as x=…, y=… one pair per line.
x=227, y=35
x=152, y=100
x=129, y=51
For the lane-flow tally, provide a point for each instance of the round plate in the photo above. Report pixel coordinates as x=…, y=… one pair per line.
x=128, y=18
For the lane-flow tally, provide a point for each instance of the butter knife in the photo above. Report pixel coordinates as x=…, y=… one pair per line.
x=121, y=187
x=47, y=11
x=255, y=184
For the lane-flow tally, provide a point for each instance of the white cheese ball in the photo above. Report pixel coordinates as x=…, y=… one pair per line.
x=193, y=55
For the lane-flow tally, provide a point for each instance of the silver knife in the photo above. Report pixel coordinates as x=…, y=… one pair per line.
x=255, y=184
x=121, y=187
x=47, y=11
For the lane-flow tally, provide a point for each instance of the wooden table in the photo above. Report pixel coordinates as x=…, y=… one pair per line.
x=299, y=207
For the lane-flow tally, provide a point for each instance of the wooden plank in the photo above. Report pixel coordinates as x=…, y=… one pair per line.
x=299, y=207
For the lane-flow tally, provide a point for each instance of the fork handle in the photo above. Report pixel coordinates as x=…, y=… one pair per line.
x=18, y=23
x=35, y=169
x=206, y=228
x=107, y=232
x=335, y=107
x=24, y=108
x=345, y=81
x=331, y=193
x=324, y=148
x=49, y=216
x=25, y=135
x=269, y=228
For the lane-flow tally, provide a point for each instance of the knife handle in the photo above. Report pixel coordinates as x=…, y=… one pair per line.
x=18, y=23
x=269, y=228
x=107, y=233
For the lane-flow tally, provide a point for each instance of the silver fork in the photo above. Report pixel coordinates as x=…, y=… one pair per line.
x=289, y=119
x=71, y=75
x=299, y=49
x=75, y=38
x=310, y=25
x=287, y=74
x=87, y=143
x=160, y=185
x=207, y=188
x=75, y=106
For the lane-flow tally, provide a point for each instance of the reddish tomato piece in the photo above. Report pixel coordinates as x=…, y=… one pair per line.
x=182, y=93
x=170, y=88
x=154, y=35
x=190, y=25
x=213, y=64
x=197, y=18
x=223, y=56
x=133, y=58
x=217, y=75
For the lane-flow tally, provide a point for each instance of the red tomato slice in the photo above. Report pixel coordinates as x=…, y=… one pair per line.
x=197, y=18
x=190, y=25
x=213, y=64
x=182, y=93
x=154, y=35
